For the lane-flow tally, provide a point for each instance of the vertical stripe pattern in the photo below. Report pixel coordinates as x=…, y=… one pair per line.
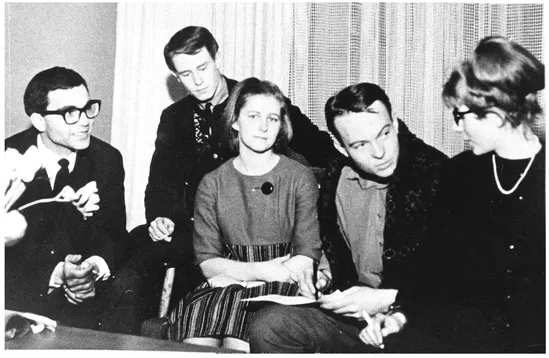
x=219, y=312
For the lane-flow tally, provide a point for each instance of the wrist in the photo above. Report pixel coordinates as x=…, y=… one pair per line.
x=256, y=271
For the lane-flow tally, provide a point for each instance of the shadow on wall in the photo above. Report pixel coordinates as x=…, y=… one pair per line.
x=175, y=89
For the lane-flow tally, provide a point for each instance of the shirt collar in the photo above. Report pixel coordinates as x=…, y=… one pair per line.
x=50, y=159
x=220, y=95
x=350, y=174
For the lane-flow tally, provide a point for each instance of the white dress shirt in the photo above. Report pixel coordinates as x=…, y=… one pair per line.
x=50, y=161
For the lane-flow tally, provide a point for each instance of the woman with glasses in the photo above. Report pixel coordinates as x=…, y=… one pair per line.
x=484, y=288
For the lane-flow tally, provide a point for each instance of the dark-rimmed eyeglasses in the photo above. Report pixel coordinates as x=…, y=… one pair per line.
x=458, y=116
x=72, y=114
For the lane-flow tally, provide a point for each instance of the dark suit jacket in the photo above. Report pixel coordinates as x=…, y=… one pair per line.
x=179, y=163
x=58, y=229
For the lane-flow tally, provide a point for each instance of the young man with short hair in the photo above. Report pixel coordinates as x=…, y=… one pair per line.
x=374, y=211
x=63, y=268
x=189, y=144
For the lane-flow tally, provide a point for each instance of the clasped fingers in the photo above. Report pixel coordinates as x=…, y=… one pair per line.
x=80, y=285
x=76, y=298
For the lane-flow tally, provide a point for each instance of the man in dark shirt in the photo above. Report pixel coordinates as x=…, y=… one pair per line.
x=189, y=145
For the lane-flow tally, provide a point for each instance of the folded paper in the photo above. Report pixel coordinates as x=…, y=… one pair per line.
x=295, y=300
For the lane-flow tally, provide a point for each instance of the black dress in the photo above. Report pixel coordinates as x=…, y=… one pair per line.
x=485, y=277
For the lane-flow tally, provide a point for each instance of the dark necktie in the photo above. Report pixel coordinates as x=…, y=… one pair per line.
x=62, y=177
x=206, y=124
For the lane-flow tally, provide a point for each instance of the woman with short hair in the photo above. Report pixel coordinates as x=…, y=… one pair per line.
x=255, y=224
x=484, y=283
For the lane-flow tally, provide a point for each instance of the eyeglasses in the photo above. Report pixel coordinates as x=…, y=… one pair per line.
x=71, y=114
x=458, y=116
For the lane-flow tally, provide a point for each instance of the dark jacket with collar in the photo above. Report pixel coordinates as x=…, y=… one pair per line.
x=179, y=163
x=58, y=229
x=411, y=193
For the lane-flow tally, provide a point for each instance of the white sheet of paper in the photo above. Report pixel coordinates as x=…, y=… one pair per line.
x=296, y=300
x=283, y=300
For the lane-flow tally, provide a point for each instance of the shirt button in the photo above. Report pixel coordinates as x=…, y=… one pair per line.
x=215, y=155
x=192, y=219
x=520, y=198
x=508, y=297
x=52, y=252
x=512, y=247
x=507, y=325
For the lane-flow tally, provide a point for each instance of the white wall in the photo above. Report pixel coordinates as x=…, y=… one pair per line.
x=80, y=36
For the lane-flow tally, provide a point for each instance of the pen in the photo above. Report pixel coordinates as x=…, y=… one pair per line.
x=370, y=323
x=315, y=277
x=367, y=318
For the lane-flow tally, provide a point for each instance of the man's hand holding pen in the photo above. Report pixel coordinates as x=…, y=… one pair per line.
x=380, y=326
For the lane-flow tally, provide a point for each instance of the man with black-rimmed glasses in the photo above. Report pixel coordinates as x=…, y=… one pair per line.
x=64, y=267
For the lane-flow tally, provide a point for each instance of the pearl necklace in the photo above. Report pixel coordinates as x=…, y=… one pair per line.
x=507, y=192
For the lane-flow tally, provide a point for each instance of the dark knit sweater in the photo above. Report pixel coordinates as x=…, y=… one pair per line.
x=410, y=196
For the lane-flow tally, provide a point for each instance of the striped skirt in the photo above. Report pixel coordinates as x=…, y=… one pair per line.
x=219, y=312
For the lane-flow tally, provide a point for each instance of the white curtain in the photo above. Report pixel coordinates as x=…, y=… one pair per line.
x=311, y=50
x=253, y=40
x=408, y=49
